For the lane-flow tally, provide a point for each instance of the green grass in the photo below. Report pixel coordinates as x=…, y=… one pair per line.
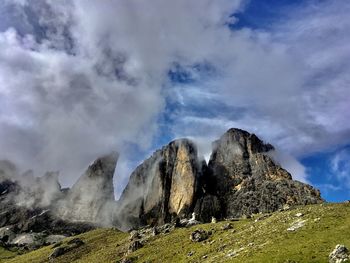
x=6, y=254
x=264, y=241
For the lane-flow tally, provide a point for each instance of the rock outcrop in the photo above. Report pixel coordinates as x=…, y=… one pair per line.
x=23, y=219
x=163, y=187
x=247, y=180
x=91, y=198
x=37, y=206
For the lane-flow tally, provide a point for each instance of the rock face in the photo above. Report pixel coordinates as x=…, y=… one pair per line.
x=22, y=219
x=91, y=198
x=247, y=180
x=162, y=187
x=240, y=179
x=34, y=207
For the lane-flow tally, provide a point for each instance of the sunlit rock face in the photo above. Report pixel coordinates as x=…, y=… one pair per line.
x=247, y=180
x=162, y=187
x=91, y=198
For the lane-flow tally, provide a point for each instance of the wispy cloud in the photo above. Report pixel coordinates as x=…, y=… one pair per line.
x=75, y=83
x=340, y=167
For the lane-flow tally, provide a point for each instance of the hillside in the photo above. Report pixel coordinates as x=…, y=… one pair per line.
x=250, y=240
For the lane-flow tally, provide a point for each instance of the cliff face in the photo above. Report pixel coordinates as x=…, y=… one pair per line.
x=91, y=198
x=249, y=181
x=162, y=187
x=26, y=205
x=240, y=179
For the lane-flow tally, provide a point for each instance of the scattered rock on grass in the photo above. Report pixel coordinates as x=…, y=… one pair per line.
x=339, y=254
x=126, y=260
x=286, y=207
x=296, y=225
x=134, y=235
x=58, y=251
x=135, y=245
x=75, y=242
x=198, y=235
x=227, y=226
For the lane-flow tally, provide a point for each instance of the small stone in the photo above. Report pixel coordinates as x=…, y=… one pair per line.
x=227, y=226
x=339, y=254
x=190, y=254
x=155, y=231
x=205, y=256
x=286, y=207
x=135, y=245
x=296, y=225
x=134, y=235
x=232, y=254
x=75, y=242
x=59, y=251
x=246, y=216
x=198, y=235
x=299, y=214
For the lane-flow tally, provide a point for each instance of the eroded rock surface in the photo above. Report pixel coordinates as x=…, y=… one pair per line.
x=162, y=187
x=248, y=180
x=91, y=198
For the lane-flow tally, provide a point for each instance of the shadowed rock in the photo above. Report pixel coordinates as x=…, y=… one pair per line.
x=247, y=180
x=91, y=198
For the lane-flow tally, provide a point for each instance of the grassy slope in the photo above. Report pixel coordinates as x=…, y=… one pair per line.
x=263, y=241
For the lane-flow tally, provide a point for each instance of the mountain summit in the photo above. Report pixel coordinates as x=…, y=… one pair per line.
x=241, y=178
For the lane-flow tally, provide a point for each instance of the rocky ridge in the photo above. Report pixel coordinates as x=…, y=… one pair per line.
x=240, y=179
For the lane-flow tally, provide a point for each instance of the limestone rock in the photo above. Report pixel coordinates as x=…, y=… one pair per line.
x=162, y=187
x=249, y=181
x=339, y=254
x=198, y=235
x=91, y=198
x=208, y=206
x=25, y=219
x=135, y=245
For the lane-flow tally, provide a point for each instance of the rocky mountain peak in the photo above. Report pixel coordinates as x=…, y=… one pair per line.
x=163, y=186
x=248, y=180
x=91, y=198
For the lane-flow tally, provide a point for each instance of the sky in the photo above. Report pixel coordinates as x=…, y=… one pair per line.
x=82, y=78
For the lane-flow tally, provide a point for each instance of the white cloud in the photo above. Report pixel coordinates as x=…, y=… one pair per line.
x=96, y=77
x=340, y=167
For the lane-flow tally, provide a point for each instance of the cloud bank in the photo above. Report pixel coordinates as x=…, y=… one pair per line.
x=81, y=78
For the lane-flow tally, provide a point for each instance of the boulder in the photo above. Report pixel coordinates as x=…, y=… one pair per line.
x=198, y=235
x=339, y=254
x=135, y=245
x=7, y=234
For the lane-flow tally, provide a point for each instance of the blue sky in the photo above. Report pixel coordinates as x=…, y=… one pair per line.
x=75, y=85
